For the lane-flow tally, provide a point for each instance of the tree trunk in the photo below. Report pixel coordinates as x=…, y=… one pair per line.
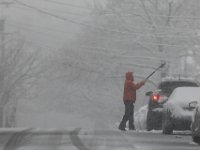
x=10, y=116
x=3, y=102
x=1, y=117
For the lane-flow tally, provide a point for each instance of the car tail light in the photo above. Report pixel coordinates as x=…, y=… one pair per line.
x=155, y=97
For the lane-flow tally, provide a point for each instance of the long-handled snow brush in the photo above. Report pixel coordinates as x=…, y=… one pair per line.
x=161, y=66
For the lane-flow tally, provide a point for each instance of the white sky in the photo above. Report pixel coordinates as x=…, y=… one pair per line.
x=43, y=30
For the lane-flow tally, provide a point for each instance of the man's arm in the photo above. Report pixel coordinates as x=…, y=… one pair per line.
x=137, y=85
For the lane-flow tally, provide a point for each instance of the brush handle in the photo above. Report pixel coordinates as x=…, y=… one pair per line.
x=161, y=66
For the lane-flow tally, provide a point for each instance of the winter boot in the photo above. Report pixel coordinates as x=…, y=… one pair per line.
x=122, y=127
x=131, y=127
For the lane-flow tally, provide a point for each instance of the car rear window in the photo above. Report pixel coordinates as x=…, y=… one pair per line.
x=168, y=87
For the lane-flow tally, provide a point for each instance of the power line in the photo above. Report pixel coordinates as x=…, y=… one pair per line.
x=163, y=44
x=58, y=11
x=162, y=27
x=70, y=20
x=150, y=29
x=170, y=16
x=144, y=35
x=150, y=35
x=134, y=14
x=66, y=4
x=168, y=28
x=105, y=49
x=79, y=23
x=144, y=43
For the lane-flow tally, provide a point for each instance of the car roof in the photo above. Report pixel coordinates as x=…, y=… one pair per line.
x=185, y=94
x=169, y=84
x=167, y=79
x=179, y=79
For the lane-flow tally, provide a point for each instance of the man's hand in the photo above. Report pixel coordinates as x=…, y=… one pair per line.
x=143, y=82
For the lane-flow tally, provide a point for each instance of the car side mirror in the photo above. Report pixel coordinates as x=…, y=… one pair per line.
x=193, y=104
x=148, y=93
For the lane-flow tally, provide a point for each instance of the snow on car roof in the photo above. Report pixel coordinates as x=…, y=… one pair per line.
x=185, y=95
x=177, y=78
x=180, y=99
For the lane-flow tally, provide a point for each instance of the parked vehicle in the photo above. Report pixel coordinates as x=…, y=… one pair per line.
x=179, y=109
x=196, y=125
x=160, y=97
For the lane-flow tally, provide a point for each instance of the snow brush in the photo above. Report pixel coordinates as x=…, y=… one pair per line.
x=161, y=66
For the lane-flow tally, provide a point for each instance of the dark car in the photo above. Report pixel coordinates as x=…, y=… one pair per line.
x=160, y=97
x=196, y=125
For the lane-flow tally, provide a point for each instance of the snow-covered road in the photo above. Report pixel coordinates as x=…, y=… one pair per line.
x=79, y=139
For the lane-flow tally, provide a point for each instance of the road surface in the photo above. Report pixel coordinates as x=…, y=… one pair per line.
x=80, y=139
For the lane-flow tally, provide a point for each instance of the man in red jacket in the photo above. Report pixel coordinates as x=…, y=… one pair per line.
x=129, y=99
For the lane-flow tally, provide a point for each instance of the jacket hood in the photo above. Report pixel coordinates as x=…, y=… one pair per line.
x=129, y=76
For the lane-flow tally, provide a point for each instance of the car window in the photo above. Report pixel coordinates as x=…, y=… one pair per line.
x=168, y=87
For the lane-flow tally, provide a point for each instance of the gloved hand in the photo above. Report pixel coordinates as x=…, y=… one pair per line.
x=143, y=82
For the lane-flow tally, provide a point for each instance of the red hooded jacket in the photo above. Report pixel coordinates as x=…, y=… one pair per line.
x=130, y=88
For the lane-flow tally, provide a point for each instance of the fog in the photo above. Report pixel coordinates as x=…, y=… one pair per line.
x=82, y=49
x=42, y=30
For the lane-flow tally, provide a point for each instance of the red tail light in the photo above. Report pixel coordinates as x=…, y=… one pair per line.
x=155, y=97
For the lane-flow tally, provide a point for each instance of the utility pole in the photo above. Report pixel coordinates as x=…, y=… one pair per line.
x=2, y=66
x=2, y=52
x=2, y=34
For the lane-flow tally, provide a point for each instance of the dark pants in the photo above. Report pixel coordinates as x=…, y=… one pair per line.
x=128, y=116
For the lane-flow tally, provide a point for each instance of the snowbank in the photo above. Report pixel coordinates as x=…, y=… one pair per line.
x=193, y=115
x=140, y=118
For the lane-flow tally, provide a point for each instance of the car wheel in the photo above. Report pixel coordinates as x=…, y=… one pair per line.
x=196, y=139
x=167, y=125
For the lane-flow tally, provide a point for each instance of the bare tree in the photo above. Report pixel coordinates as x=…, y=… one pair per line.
x=133, y=34
x=19, y=69
x=159, y=28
